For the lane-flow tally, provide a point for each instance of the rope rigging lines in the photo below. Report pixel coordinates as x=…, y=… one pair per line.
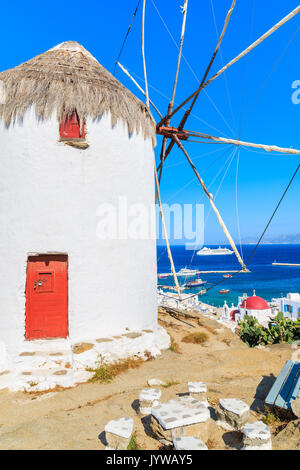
x=174, y=136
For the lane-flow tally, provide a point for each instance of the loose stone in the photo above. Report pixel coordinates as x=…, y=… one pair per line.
x=256, y=436
x=232, y=413
x=184, y=416
x=198, y=390
x=148, y=398
x=188, y=443
x=118, y=433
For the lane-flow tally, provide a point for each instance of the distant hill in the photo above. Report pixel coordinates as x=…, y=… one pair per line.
x=281, y=239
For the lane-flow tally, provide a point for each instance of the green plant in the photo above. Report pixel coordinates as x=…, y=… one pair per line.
x=105, y=373
x=174, y=346
x=170, y=383
x=133, y=445
x=281, y=330
x=270, y=419
x=251, y=332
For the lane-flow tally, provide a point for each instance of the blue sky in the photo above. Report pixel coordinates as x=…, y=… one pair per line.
x=31, y=28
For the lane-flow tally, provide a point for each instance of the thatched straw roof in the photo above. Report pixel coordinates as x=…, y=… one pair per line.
x=65, y=78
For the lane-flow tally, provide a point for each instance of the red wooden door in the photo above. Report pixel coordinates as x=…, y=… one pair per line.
x=47, y=297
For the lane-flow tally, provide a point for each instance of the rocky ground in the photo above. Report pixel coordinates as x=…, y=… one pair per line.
x=75, y=418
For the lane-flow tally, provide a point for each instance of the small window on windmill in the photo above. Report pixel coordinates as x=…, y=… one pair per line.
x=71, y=132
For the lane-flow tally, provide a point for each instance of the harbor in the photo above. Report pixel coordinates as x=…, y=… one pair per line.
x=264, y=278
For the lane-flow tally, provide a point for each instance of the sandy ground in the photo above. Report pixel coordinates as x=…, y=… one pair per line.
x=75, y=418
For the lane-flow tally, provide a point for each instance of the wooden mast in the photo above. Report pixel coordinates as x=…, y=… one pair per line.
x=166, y=234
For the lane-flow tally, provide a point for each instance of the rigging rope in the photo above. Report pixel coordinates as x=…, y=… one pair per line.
x=260, y=238
x=168, y=98
x=126, y=36
x=246, y=71
x=236, y=202
x=192, y=70
x=268, y=79
x=242, y=54
x=225, y=76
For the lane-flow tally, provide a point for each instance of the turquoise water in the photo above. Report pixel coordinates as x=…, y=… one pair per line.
x=267, y=280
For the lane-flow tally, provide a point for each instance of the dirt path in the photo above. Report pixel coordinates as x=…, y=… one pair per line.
x=75, y=418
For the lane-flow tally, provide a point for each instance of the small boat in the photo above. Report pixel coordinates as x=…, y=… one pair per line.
x=227, y=276
x=195, y=283
x=187, y=272
x=162, y=276
x=224, y=291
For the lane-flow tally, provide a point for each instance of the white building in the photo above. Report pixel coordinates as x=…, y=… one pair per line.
x=289, y=305
x=73, y=142
x=254, y=306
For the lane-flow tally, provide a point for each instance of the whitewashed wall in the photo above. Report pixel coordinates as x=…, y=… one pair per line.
x=49, y=195
x=263, y=316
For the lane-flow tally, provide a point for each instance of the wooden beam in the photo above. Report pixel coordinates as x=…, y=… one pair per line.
x=225, y=230
x=242, y=54
x=138, y=86
x=166, y=235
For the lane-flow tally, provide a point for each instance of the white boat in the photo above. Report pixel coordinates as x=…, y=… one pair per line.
x=187, y=272
x=214, y=251
x=195, y=283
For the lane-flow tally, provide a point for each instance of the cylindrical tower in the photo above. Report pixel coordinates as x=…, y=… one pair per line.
x=76, y=278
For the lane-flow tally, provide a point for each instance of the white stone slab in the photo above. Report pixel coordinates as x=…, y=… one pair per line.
x=156, y=382
x=150, y=394
x=121, y=427
x=234, y=405
x=181, y=412
x=257, y=430
x=197, y=387
x=189, y=443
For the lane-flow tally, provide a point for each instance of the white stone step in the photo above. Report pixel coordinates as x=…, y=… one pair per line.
x=43, y=379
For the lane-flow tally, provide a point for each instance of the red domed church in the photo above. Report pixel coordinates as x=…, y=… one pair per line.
x=254, y=306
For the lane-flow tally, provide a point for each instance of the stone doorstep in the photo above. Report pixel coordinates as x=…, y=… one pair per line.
x=232, y=413
x=145, y=407
x=183, y=411
x=256, y=434
x=189, y=443
x=233, y=405
x=167, y=436
x=120, y=427
x=150, y=395
x=116, y=442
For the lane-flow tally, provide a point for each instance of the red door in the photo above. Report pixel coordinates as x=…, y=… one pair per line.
x=47, y=297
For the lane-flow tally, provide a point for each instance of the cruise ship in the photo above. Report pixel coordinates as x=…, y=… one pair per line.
x=214, y=251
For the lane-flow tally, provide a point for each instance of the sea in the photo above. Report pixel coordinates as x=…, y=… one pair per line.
x=268, y=281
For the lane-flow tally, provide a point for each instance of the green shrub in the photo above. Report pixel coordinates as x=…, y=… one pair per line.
x=281, y=330
x=251, y=331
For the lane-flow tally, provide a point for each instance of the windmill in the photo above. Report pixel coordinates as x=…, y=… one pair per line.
x=177, y=135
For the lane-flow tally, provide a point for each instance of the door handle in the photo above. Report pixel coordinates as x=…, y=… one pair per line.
x=37, y=283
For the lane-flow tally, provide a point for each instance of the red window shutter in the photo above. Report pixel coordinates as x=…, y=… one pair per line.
x=70, y=127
